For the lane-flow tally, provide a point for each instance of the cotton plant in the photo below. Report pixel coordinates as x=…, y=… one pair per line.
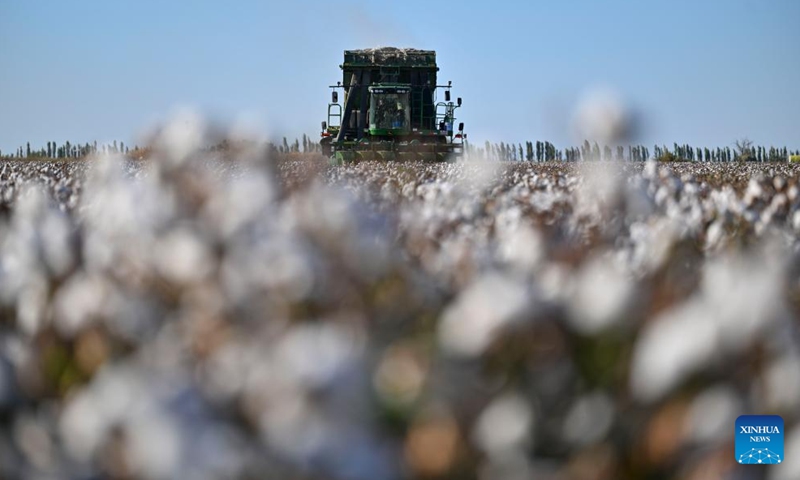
x=235, y=314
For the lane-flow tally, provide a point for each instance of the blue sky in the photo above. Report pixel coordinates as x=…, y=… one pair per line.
x=699, y=72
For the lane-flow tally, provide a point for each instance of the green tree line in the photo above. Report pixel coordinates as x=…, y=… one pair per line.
x=742, y=150
x=531, y=151
x=53, y=150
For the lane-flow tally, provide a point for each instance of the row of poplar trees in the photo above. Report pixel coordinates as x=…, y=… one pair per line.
x=66, y=150
x=743, y=150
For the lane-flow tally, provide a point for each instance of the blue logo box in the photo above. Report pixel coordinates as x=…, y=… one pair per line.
x=759, y=440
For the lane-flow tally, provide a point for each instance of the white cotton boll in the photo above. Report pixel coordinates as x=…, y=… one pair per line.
x=782, y=384
x=670, y=348
x=120, y=396
x=282, y=265
x=181, y=136
x=744, y=295
x=793, y=193
x=711, y=415
x=796, y=221
x=82, y=427
x=30, y=207
x=600, y=189
x=92, y=412
x=589, y=419
x=715, y=235
x=602, y=116
x=155, y=447
x=316, y=354
x=779, y=204
x=126, y=209
x=603, y=293
x=478, y=176
x=754, y=191
x=293, y=427
x=652, y=243
x=662, y=196
x=105, y=171
x=32, y=305
x=521, y=247
x=228, y=368
x=31, y=436
x=79, y=300
x=505, y=425
x=58, y=253
x=650, y=170
x=325, y=212
x=183, y=257
x=484, y=308
x=555, y=282
x=242, y=200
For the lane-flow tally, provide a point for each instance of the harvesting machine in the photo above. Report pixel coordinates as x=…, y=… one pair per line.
x=390, y=109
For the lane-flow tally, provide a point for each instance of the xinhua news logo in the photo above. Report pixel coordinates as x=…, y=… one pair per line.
x=759, y=439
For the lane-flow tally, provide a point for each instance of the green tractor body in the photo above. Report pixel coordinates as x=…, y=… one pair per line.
x=390, y=111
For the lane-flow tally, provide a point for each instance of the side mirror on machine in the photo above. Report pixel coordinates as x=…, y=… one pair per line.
x=461, y=127
x=459, y=101
x=325, y=126
x=334, y=97
x=447, y=95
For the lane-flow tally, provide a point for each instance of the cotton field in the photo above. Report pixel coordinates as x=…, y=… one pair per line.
x=215, y=316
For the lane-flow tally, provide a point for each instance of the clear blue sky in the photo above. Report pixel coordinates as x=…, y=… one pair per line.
x=701, y=72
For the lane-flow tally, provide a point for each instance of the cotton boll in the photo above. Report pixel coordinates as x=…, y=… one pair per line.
x=182, y=135
x=673, y=346
x=715, y=235
x=90, y=415
x=183, y=257
x=155, y=448
x=57, y=243
x=316, y=355
x=796, y=221
x=481, y=311
x=295, y=429
x=555, y=283
x=505, y=425
x=240, y=203
x=32, y=305
x=79, y=300
x=743, y=295
x=653, y=243
x=711, y=415
x=603, y=292
x=782, y=384
x=521, y=246
x=35, y=442
x=602, y=116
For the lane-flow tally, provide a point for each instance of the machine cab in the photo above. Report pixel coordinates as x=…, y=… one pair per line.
x=389, y=110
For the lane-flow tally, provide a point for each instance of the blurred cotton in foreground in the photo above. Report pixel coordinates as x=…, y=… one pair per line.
x=238, y=313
